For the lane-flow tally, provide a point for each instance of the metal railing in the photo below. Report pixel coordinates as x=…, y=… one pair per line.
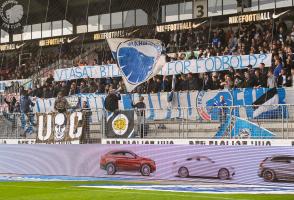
x=236, y=122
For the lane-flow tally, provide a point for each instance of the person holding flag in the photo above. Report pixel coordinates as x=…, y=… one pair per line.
x=111, y=101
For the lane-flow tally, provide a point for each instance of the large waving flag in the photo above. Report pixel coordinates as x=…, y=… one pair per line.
x=138, y=59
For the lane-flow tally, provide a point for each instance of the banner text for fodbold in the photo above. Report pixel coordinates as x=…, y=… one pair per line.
x=211, y=64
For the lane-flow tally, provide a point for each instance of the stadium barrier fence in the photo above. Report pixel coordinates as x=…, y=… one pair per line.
x=273, y=122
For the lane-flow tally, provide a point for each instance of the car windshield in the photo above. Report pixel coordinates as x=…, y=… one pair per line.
x=117, y=153
x=281, y=159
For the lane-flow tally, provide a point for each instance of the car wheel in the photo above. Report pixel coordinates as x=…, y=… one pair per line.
x=183, y=172
x=145, y=170
x=269, y=175
x=110, y=168
x=223, y=174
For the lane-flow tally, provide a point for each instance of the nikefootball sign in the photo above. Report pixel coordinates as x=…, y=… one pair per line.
x=255, y=17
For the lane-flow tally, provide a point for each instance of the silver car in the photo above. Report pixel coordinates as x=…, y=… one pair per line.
x=274, y=168
x=202, y=166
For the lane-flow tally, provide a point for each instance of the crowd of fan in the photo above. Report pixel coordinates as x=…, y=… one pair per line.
x=253, y=78
x=264, y=37
x=34, y=61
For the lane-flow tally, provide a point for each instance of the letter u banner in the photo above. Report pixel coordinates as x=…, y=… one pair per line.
x=59, y=127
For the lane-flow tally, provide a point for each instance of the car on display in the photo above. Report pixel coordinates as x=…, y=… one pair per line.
x=202, y=166
x=126, y=161
x=279, y=167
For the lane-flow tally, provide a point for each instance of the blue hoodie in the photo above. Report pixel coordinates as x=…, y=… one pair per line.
x=25, y=104
x=278, y=70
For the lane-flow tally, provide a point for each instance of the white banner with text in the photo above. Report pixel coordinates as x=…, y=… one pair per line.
x=202, y=65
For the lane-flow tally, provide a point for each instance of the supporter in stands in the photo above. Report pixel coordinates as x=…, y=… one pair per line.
x=83, y=88
x=16, y=107
x=278, y=67
x=222, y=107
x=50, y=80
x=263, y=73
x=121, y=87
x=140, y=106
x=85, y=139
x=193, y=84
x=259, y=80
x=11, y=104
x=64, y=88
x=183, y=83
x=73, y=89
x=192, y=56
x=207, y=83
x=61, y=104
x=111, y=101
x=271, y=80
x=25, y=102
x=38, y=91
x=166, y=83
x=216, y=42
x=227, y=83
x=26, y=105
x=249, y=81
x=283, y=80
x=215, y=84
x=92, y=86
x=48, y=92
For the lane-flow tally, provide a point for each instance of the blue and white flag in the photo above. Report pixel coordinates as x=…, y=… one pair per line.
x=138, y=59
x=267, y=105
x=240, y=128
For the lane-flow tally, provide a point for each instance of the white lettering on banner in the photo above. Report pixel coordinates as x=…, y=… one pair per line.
x=75, y=133
x=216, y=142
x=41, y=125
x=101, y=71
x=211, y=64
x=60, y=126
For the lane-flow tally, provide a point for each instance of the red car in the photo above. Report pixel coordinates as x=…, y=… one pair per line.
x=117, y=161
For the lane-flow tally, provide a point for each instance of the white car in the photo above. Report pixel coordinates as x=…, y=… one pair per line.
x=202, y=166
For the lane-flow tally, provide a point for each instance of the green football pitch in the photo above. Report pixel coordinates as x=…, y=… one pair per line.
x=69, y=190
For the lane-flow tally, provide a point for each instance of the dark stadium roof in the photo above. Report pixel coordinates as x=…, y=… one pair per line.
x=77, y=9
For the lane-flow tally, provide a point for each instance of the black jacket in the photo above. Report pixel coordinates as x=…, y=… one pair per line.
x=11, y=104
x=141, y=108
x=111, y=102
x=286, y=84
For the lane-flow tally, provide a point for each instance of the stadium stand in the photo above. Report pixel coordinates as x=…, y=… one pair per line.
x=212, y=38
x=224, y=42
